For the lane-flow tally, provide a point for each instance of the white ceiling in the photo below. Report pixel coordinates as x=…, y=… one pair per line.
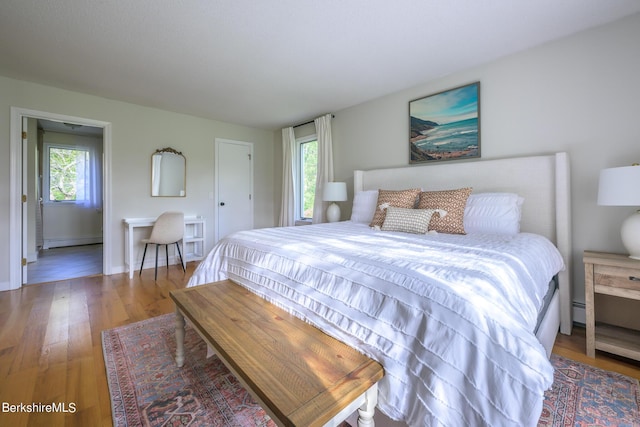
x=272, y=63
x=72, y=128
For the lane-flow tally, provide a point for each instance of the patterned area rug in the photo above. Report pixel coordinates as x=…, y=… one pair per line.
x=582, y=395
x=148, y=389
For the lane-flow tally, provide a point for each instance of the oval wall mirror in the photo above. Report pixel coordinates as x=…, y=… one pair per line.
x=168, y=173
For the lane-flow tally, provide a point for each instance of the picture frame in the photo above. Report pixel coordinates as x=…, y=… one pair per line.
x=445, y=125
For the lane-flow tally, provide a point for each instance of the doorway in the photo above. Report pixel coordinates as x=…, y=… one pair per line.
x=19, y=220
x=64, y=200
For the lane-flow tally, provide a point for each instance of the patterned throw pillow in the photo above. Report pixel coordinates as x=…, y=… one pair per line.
x=409, y=220
x=452, y=201
x=398, y=199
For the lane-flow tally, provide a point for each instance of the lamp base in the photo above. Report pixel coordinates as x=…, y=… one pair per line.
x=630, y=233
x=333, y=213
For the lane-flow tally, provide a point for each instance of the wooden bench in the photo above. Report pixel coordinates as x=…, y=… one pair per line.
x=298, y=374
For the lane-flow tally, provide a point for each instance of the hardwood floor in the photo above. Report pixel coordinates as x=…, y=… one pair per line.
x=51, y=350
x=50, y=341
x=574, y=347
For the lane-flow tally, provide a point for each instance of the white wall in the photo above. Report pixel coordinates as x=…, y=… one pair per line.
x=580, y=95
x=136, y=133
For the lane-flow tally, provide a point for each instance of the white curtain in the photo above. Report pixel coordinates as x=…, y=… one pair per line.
x=325, y=165
x=89, y=178
x=288, y=208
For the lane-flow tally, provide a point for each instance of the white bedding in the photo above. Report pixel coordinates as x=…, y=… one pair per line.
x=450, y=317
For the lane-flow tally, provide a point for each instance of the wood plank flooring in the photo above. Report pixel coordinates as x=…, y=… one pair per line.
x=51, y=350
x=50, y=341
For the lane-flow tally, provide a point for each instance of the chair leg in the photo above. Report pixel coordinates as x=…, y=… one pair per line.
x=181, y=261
x=143, y=255
x=166, y=254
x=156, y=277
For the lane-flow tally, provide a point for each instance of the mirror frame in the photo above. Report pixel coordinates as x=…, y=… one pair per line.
x=169, y=150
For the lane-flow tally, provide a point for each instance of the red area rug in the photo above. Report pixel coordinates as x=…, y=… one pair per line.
x=148, y=389
x=582, y=395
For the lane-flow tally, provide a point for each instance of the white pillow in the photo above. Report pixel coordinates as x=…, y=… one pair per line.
x=364, y=206
x=409, y=220
x=497, y=213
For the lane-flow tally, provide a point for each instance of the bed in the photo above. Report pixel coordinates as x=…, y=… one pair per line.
x=463, y=324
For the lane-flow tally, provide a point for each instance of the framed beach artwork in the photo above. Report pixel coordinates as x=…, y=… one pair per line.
x=445, y=125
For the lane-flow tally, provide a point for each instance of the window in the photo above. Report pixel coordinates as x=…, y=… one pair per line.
x=65, y=173
x=72, y=174
x=308, y=161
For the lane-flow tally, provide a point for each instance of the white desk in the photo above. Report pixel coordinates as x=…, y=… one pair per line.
x=193, y=243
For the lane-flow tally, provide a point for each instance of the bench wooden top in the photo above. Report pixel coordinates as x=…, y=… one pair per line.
x=299, y=374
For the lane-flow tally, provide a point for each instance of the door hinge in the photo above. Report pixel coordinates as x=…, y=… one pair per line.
x=249, y=156
x=249, y=196
x=24, y=262
x=24, y=135
x=24, y=198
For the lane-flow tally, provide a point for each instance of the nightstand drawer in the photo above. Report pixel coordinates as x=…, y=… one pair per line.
x=619, y=276
x=616, y=277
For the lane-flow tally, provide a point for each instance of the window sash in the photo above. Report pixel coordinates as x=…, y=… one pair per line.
x=74, y=183
x=306, y=178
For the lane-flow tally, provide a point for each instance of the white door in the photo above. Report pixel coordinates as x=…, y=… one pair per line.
x=25, y=205
x=234, y=186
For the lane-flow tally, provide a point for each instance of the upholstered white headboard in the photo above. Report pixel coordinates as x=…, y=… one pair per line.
x=543, y=181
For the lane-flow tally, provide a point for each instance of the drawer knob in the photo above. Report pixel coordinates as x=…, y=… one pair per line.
x=634, y=278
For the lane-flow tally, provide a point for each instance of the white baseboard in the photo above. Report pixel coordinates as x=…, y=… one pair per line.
x=150, y=261
x=5, y=286
x=32, y=256
x=118, y=269
x=579, y=313
x=74, y=241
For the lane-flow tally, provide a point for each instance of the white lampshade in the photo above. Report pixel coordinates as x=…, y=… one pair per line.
x=334, y=192
x=621, y=187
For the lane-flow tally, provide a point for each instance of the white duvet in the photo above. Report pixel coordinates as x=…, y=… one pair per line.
x=450, y=317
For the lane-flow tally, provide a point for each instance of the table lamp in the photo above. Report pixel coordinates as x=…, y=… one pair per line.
x=621, y=187
x=334, y=192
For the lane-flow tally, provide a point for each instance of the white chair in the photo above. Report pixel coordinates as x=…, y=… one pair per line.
x=167, y=230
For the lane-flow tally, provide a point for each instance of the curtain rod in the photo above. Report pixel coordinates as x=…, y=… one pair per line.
x=310, y=121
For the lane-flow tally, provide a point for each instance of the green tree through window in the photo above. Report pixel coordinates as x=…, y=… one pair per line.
x=309, y=168
x=66, y=172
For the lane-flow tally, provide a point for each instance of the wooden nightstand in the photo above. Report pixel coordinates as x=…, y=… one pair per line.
x=619, y=276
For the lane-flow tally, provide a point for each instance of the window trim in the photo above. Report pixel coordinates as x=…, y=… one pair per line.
x=46, y=171
x=299, y=178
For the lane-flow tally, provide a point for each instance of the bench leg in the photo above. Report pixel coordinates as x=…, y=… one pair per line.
x=367, y=410
x=179, y=338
